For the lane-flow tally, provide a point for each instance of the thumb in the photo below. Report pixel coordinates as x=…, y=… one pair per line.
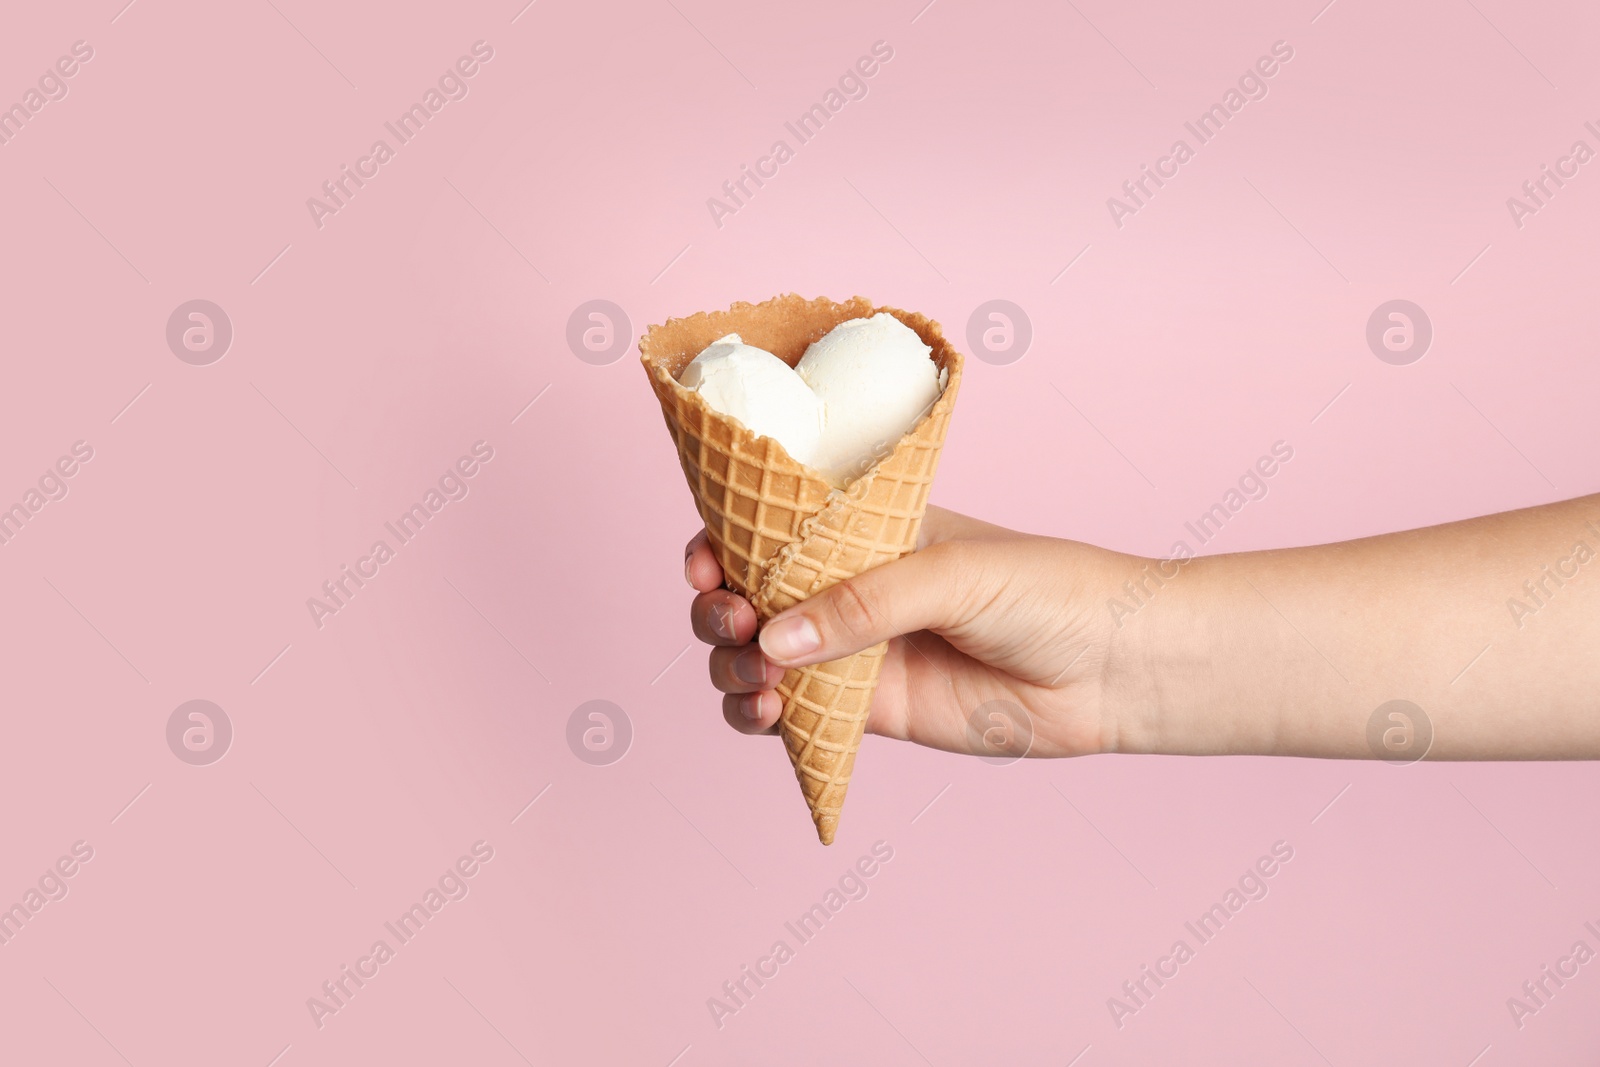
x=916, y=592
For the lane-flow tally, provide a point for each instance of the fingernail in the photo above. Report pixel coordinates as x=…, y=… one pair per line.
x=686, y=576
x=750, y=704
x=750, y=666
x=722, y=621
x=789, y=639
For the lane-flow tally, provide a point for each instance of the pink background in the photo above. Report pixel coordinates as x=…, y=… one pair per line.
x=370, y=353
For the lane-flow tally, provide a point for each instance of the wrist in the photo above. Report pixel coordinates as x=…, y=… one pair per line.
x=1186, y=661
x=1131, y=689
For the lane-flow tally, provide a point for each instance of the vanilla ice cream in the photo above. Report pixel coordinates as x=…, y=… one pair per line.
x=857, y=390
x=761, y=391
x=876, y=380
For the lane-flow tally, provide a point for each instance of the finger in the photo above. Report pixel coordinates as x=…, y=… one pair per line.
x=722, y=618
x=743, y=670
x=923, y=591
x=700, y=567
x=752, y=713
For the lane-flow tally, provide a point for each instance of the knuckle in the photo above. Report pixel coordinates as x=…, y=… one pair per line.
x=853, y=609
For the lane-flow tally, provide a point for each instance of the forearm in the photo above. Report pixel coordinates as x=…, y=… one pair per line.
x=1490, y=626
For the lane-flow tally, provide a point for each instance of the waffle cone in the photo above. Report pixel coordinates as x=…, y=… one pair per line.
x=782, y=533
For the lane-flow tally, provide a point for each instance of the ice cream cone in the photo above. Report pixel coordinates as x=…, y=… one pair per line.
x=782, y=533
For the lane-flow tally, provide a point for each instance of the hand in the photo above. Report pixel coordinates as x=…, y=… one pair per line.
x=978, y=614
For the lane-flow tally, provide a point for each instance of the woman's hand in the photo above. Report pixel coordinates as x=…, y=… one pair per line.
x=998, y=641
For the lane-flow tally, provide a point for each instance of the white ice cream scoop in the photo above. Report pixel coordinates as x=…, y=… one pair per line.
x=761, y=391
x=857, y=390
x=876, y=380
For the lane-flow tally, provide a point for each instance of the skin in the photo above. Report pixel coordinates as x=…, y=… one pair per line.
x=1285, y=652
